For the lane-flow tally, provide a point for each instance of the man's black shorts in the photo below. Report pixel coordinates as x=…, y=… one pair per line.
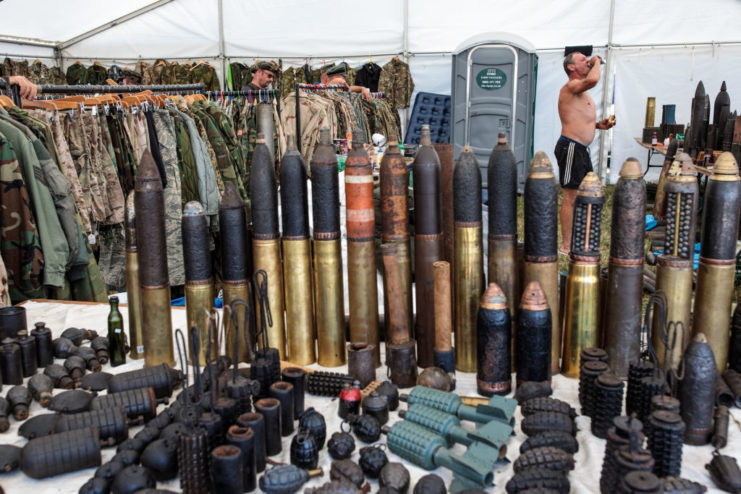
x=573, y=162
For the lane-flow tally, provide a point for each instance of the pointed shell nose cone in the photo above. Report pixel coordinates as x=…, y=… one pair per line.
x=590, y=186
x=534, y=298
x=493, y=298
x=231, y=198
x=631, y=169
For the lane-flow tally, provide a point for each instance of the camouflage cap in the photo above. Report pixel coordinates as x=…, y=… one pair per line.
x=266, y=65
x=130, y=73
x=324, y=68
x=340, y=68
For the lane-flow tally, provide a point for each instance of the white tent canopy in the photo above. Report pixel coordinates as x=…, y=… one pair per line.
x=655, y=48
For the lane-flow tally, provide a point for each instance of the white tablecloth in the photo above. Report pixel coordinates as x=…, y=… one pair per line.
x=584, y=479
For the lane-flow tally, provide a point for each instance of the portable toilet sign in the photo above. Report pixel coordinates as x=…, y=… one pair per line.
x=493, y=91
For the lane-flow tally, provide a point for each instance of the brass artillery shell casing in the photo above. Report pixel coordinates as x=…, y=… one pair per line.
x=153, y=279
x=328, y=283
x=233, y=290
x=133, y=290
x=361, y=247
x=717, y=270
x=266, y=256
x=199, y=300
x=540, y=249
x=297, y=275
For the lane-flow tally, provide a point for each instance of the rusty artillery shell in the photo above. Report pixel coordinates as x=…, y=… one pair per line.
x=660, y=200
x=697, y=391
x=716, y=272
x=361, y=362
x=581, y=308
x=428, y=243
x=698, y=124
x=362, y=281
x=468, y=266
x=502, y=189
x=328, y=290
x=266, y=238
x=674, y=269
x=494, y=346
x=541, y=251
x=394, y=186
x=444, y=353
x=199, y=280
x=622, y=316
x=151, y=243
x=133, y=290
x=534, y=336
x=297, y=276
x=235, y=252
x=400, y=354
x=721, y=112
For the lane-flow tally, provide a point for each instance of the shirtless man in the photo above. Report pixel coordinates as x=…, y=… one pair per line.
x=578, y=113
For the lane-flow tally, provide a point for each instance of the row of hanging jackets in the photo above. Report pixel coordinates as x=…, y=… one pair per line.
x=66, y=175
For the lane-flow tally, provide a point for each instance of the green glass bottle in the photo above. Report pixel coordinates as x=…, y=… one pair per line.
x=116, y=337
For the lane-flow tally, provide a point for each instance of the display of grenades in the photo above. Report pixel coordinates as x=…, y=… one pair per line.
x=60, y=376
x=63, y=347
x=95, y=485
x=334, y=487
x=95, y=381
x=41, y=388
x=537, y=479
x=395, y=476
x=90, y=358
x=304, y=452
x=430, y=484
x=286, y=479
x=435, y=377
x=161, y=458
x=20, y=399
x=75, y=366
x=314, y=421
x=341, y=445
x=72, y=401
x=372, y=460
x=376, y=406
x=546, y=457
x=365, y=427
x=532, y=389
x=391, y=392
x=77, y=335
x=132, y=479
x=39, y=426
x=725, y=472
x=10, y=457
x=100, y=345
x=348, y=471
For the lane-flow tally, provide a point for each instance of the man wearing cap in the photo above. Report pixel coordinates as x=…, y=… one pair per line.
x=264, y=73
x=337, y=74
x=130, y=78
x=578, y=114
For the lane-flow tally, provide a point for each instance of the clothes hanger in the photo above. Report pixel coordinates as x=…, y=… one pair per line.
x=5, y=101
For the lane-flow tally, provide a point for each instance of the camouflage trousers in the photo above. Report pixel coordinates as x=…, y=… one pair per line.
x=112, y=261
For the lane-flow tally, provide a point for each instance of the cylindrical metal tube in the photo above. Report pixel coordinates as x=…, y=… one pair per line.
x=133, y=290
x=650, y=111
x=502, y=241
x=266, y=238
x=152, y=246
x=361, y=362
x=235, y=252
x=12, y=320
x=283, y=392
x=394, y=187
x=581, y=308
x=244, y=439
x=716, y=273
x=256, y=422
x=10, y=362
x=193, y=461
x=61, y=453
x=361, y=247
x=328, y=284
x=199, y=281
x=270, y=410
x=227, y=473
x=697, y=391
x=300, y=331
x=297, y=378
x=534, y=336
x=428, y=243
x=28, y=353
x=468, y=265
x=674, y=267
x=541, y=251
x=266, y=127
x=44, y=350
x=622, y=316
x=444, y=353
x=493, y=347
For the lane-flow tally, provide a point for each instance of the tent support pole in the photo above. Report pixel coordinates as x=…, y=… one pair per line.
x=406, y=54
x=604, y=136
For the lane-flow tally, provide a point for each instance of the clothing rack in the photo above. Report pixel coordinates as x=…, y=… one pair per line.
x=312, y=88
x=90, y=89
x=260, y=95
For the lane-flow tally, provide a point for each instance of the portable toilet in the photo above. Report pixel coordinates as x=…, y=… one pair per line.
x=493, y=91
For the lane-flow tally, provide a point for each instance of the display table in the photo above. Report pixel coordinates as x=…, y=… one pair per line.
x=584, y=479
x=652, y=150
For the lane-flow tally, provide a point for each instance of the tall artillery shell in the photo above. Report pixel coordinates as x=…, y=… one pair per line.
x=151, y=244
x=502, y=189
x=716, y=272
x=541, y=251
x=534, y=336
x=494, y=347
x=674, y=267
x=400, y=348
x=428, y=243
x=721, y=111
x=622, y=316
x=697, y=391
x=199, y=280
x=300, y=328
x=581, y=324
x=328, y=290
x=133, y=290
x=394, y=186
x=266, y=238
x=660, y=200
x=468, y=265
x=235, y=253
x=361, y=247
x=698, y=122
